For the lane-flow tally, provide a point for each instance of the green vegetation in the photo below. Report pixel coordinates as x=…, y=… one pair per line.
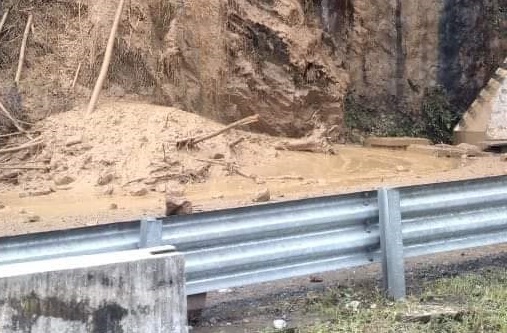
x=478, y=302
x=435, y=121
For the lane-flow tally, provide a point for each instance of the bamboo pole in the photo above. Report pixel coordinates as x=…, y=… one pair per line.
x=106, y=61
x=76, y=76
x=23, y=48
x=4, y=19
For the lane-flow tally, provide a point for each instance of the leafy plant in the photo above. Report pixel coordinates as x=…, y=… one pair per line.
x=438, y=116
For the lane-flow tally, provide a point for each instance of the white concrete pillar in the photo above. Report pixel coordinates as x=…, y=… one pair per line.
x=123, y=292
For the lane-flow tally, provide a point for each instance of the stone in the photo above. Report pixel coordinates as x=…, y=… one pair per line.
x=64, y=180
x=279, y=324
x=177, y=206
x=105, y=179
x=96, y=293
x=113, y=206
x=354, y=305
x=139, y=191
x=2, y=206
x=395, y=142
x=262, y=196
x=32, y=219
x=401, y=168
x=74, y=141
x=161, y=188
x=218, y=156
x=37, y=192
x=108, y=191
x=426, y=313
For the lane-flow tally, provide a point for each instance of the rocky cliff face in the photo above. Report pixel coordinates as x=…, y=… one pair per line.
x=295, y=62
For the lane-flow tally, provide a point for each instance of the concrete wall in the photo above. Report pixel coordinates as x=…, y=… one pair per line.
x=123, y=292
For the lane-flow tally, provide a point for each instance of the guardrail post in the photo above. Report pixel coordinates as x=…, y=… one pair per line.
x=391, y=243
x=150, y=233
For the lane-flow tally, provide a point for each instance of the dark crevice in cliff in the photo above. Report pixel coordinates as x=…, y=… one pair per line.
x=400, y=57
x=466, y=32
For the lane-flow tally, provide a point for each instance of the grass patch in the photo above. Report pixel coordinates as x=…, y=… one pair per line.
x=479, y=298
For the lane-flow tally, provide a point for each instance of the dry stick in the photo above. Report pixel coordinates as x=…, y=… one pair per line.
x=27, y=145
x=191, y=142
x=12, y=167
x=14, y=121
x=4, y=19
x=10, y=134
x=107, y=60
x=76, y=75
x=23, y=48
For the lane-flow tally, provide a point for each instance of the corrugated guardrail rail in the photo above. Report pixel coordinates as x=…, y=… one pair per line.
x=241, y=246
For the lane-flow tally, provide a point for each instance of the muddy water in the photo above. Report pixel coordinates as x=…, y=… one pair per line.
x=287, y=175
x=296, y=172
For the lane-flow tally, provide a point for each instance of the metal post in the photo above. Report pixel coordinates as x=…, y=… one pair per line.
x=150, y=233
x=391, y=243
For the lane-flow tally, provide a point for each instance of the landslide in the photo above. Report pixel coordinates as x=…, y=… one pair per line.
x=351, y=64
x=221, y=60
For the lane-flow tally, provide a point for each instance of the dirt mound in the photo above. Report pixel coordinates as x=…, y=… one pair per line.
x=128, y=146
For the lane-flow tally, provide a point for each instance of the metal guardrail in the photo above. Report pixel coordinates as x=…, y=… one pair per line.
x=262, y=243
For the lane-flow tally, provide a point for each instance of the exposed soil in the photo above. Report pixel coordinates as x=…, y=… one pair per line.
x=120, y=163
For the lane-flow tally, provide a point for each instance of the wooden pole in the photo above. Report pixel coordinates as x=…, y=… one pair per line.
x=4, y=18
x=23, y=48
x=76, y=76
x=107, y=59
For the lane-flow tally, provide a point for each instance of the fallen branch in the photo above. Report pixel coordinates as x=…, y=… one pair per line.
x=4, y=19
x=309, y=145
x=191, y=142
x=14, y=121
x=237, y=142
x=231, y=167
x=23, y=48
x=10, y=134
x=30, y=144
x=12, y=167
x=107, y=60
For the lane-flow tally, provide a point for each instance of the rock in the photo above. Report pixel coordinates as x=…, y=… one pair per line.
x=503, y=157
x=174, y=189
x=73, y=141
x=37, y=192
x=262, y=196
x=138, y=191
x=105, y=179
x=177, y=206
x=426, y=313
x=10, y=177
x=218, y=156
x=316, y=279
x=401, y=168
x=22, y=211
x=64, y=180
x=279, y=324
x=113, y=206
x=395, y=142
x=32, y=219
x=161, y=188
x=150, y=181
x=108, y=191
x=246, y=321
x=354, y=305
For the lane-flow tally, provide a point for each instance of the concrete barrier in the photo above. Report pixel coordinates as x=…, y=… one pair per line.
x=122, y=292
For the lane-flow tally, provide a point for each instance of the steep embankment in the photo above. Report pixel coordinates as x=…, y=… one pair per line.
x=293, y=61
